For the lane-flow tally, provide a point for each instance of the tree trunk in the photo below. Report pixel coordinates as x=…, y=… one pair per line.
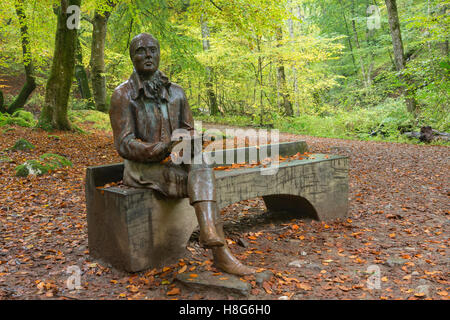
x=358, y=46
x=2, y=101
x=348, y=36
x=285, y=103
x=399, y=55
x=54, y=112
x=397, y=43
x=294, y=69
x=212, y=99
x=30, y=83
x=98, y=79
x=81, y=75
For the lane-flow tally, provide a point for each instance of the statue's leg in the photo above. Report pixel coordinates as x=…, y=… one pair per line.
x=201, y=192
x=223, y=258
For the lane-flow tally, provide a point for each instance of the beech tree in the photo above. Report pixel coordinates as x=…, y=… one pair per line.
x=54, y=113
x=399, y=54
x=30, y=82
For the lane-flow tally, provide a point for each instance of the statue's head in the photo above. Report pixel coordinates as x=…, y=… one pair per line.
x=145, y=54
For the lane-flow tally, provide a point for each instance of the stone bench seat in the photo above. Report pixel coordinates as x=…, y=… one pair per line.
x=136, y=229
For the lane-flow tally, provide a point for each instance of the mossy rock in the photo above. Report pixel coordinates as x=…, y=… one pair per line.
x=55, y=161
x=46, y=163
x=22, y=144
x=33, y=167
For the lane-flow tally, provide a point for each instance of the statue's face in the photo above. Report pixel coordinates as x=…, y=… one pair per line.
x=146, y=56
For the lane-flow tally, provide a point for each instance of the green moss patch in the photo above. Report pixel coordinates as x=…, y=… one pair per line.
x=46, y=163
x=23, y=145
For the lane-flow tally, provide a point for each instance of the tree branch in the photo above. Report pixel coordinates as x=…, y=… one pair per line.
x=215, y=5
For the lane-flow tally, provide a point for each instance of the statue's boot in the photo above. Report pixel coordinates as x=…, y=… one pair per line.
x=224, y=259
x=209, y=238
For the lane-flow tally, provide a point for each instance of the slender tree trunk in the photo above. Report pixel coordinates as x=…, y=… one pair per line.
x=444, y=45
x=285, y=103
x=358, y=46
x=212, y=99
x=81, y=75
x=399, y=55
x=294, y=69
x=54, y=112
x=348, y=35
x=260, y=79
x=2, y=101
x=369, y=34
x=97, y=63
x=30, y=83
x=397, y=43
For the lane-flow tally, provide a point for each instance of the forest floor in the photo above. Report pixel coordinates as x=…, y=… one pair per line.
x=398, y=224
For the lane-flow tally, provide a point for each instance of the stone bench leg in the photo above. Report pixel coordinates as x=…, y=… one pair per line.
x=141, y=231
x=134, y=229
x=320, y=191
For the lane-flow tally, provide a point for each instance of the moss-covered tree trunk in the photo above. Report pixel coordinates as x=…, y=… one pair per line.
x=30, y=82
x=97, y=63
x=81, y=75
x=54, y=112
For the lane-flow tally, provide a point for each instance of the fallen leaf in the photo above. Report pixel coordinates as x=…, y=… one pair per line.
x=175, y=291
x=267, y=287
x=303, y=286
x=183, y=269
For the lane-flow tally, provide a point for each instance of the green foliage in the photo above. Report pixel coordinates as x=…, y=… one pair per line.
x=386, y=121
x=99, y=120
x=46, y=163
x=20, y=118
x=22, y=144
x=339, y=74
x=55, y=161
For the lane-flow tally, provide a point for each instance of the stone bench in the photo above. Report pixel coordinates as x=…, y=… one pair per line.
x=136, y=229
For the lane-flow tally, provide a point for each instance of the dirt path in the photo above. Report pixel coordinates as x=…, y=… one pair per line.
x=398, y=225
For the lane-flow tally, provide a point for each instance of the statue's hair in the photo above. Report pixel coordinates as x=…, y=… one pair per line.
x=136, y=39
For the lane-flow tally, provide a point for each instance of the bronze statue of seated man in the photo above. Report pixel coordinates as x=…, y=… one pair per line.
x=145, y=111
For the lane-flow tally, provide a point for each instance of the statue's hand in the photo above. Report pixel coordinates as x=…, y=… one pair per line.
x=160, y=151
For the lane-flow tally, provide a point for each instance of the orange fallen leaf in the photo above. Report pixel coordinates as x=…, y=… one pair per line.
x=304, y=286
x=344, y=288
x=175, y=291
x=133, y=288
x=183, y=269
x=267, y=287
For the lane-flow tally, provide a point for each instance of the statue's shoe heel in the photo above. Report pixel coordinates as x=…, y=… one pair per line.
x=211, y=239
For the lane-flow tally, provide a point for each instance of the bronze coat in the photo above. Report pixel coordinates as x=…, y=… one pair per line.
x=135, y=131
